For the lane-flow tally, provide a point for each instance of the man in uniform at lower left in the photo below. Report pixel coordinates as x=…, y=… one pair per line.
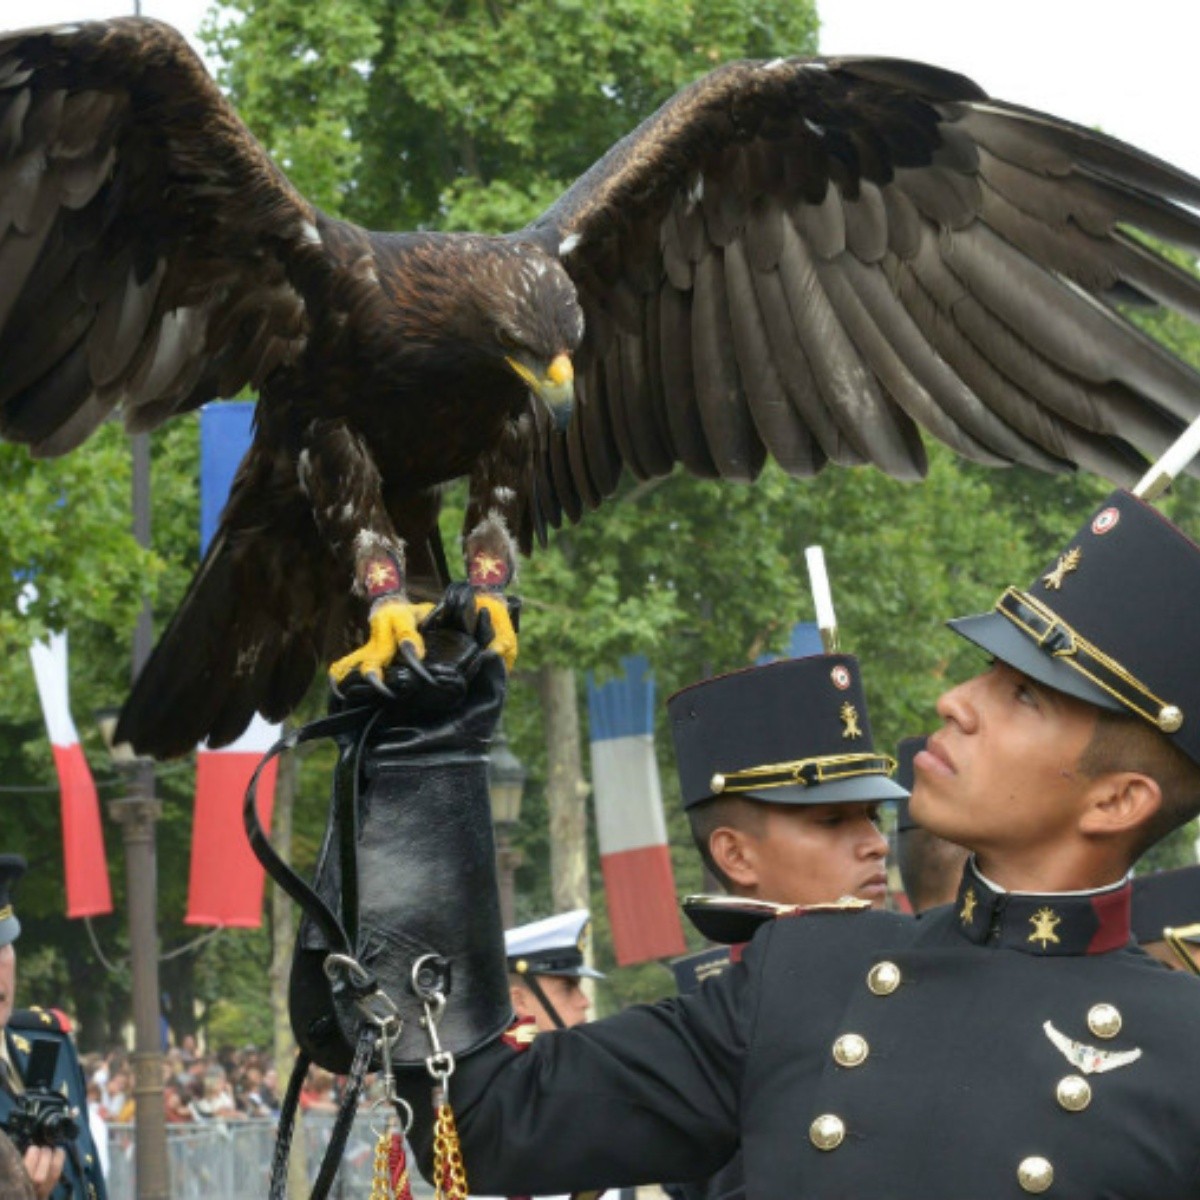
x=63, y=1172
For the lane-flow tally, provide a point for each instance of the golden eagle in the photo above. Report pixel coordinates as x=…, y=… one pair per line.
x=812, y=259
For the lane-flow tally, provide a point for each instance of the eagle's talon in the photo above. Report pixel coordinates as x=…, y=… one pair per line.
x=376, y=681
x=393, y=632
x=407, y=652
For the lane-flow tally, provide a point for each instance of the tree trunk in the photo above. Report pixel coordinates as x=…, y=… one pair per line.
x=283, y=936
x=566, y=789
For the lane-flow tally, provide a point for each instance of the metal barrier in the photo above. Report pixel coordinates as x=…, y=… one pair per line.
x=231, y=1160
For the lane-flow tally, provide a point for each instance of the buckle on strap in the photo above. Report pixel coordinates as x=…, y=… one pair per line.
x=1054, y=635
x=804, y=771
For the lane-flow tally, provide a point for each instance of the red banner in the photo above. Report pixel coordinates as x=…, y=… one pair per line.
x=85, y=863
x=225, y=886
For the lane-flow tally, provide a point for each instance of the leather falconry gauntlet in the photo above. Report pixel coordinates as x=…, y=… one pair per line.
x=408, y=860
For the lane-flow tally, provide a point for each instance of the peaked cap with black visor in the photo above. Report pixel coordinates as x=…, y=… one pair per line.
x=793, y=732
x=551, y=946
x=1111, y=621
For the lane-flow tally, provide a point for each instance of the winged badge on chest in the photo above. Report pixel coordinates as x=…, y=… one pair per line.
x=1091, y=1060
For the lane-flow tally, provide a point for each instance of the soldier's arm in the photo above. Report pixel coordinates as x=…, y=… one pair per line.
x=652, y=1093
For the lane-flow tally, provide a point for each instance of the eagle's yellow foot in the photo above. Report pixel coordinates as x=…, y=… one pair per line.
x=505, y=640
x=393, y=627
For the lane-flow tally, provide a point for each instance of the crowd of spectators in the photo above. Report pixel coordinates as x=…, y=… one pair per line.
x=229, y=1085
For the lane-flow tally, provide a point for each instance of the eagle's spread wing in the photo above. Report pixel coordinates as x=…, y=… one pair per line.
x=809, y=259
x=146, y=239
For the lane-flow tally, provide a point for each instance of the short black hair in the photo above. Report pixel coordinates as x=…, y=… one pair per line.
x=1124, y=742
x=734, y=812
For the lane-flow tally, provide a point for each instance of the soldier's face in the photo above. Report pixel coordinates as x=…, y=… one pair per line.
x=8, y=982
x=1002, y=775
x=814, y=854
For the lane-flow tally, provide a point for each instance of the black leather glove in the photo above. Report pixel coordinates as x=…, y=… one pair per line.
x=408, y=859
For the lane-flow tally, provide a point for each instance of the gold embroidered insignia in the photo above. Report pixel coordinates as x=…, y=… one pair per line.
x=1066, y=564
x=1044, y=922
x=23, y=1044
x=850, y=721
x=380, y=574
x=968, y=909
x=1091, y=1060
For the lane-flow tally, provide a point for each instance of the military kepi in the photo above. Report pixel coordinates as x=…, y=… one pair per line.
x=553, y=946
x=12, y=867
x=791, y=732
x=1111, y=621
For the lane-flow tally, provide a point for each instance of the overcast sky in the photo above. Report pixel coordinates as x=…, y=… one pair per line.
x=1129, y=68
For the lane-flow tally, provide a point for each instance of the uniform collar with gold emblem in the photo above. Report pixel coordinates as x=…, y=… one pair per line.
x=1042, y=924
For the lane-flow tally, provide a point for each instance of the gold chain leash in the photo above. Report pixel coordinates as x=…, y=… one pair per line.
x=389, y=1180
x=449, y=1171
x=381, y=1183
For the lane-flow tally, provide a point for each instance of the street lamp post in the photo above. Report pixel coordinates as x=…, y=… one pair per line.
x=137, y=814
x=506, y=784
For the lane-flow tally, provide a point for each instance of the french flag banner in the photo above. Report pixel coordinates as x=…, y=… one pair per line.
x=225, y=884
x=634, y=855
x=84, y=860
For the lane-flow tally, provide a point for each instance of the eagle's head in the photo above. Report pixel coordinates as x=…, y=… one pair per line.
x=537, y=323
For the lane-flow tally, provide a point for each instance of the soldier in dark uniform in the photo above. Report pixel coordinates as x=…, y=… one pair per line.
x=71, y=1171
x=780, y=841
x=1013, y=1043
x=930, y=867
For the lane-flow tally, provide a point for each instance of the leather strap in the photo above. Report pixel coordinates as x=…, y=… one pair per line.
x=531, y=982
x=367, y=1037
x=354, y=720
x=287, y=1124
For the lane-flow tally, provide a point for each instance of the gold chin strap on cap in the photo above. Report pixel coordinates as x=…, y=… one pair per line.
x=1058, y=639
x=804, y=771
x=1181, y=941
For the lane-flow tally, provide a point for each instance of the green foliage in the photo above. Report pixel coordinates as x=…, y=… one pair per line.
x=398, y=112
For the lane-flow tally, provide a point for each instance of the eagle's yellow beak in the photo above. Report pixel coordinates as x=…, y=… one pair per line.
x=555, y=386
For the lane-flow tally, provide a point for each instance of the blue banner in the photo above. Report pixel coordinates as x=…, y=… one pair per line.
x=225, y=432
x=622, y=707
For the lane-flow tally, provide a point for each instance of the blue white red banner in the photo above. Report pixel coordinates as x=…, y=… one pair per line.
x=634, y=854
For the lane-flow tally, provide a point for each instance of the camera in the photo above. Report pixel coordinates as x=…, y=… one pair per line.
x=40, y=1116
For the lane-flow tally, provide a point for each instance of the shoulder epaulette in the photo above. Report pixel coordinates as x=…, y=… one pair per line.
x=44, y=1019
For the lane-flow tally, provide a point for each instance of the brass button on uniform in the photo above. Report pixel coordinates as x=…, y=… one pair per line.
x=827, y=1132
x=1035, y=1174
x=1073, y=1093
x=1104, y=1020
x=883, y=978
x=850, y=1050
